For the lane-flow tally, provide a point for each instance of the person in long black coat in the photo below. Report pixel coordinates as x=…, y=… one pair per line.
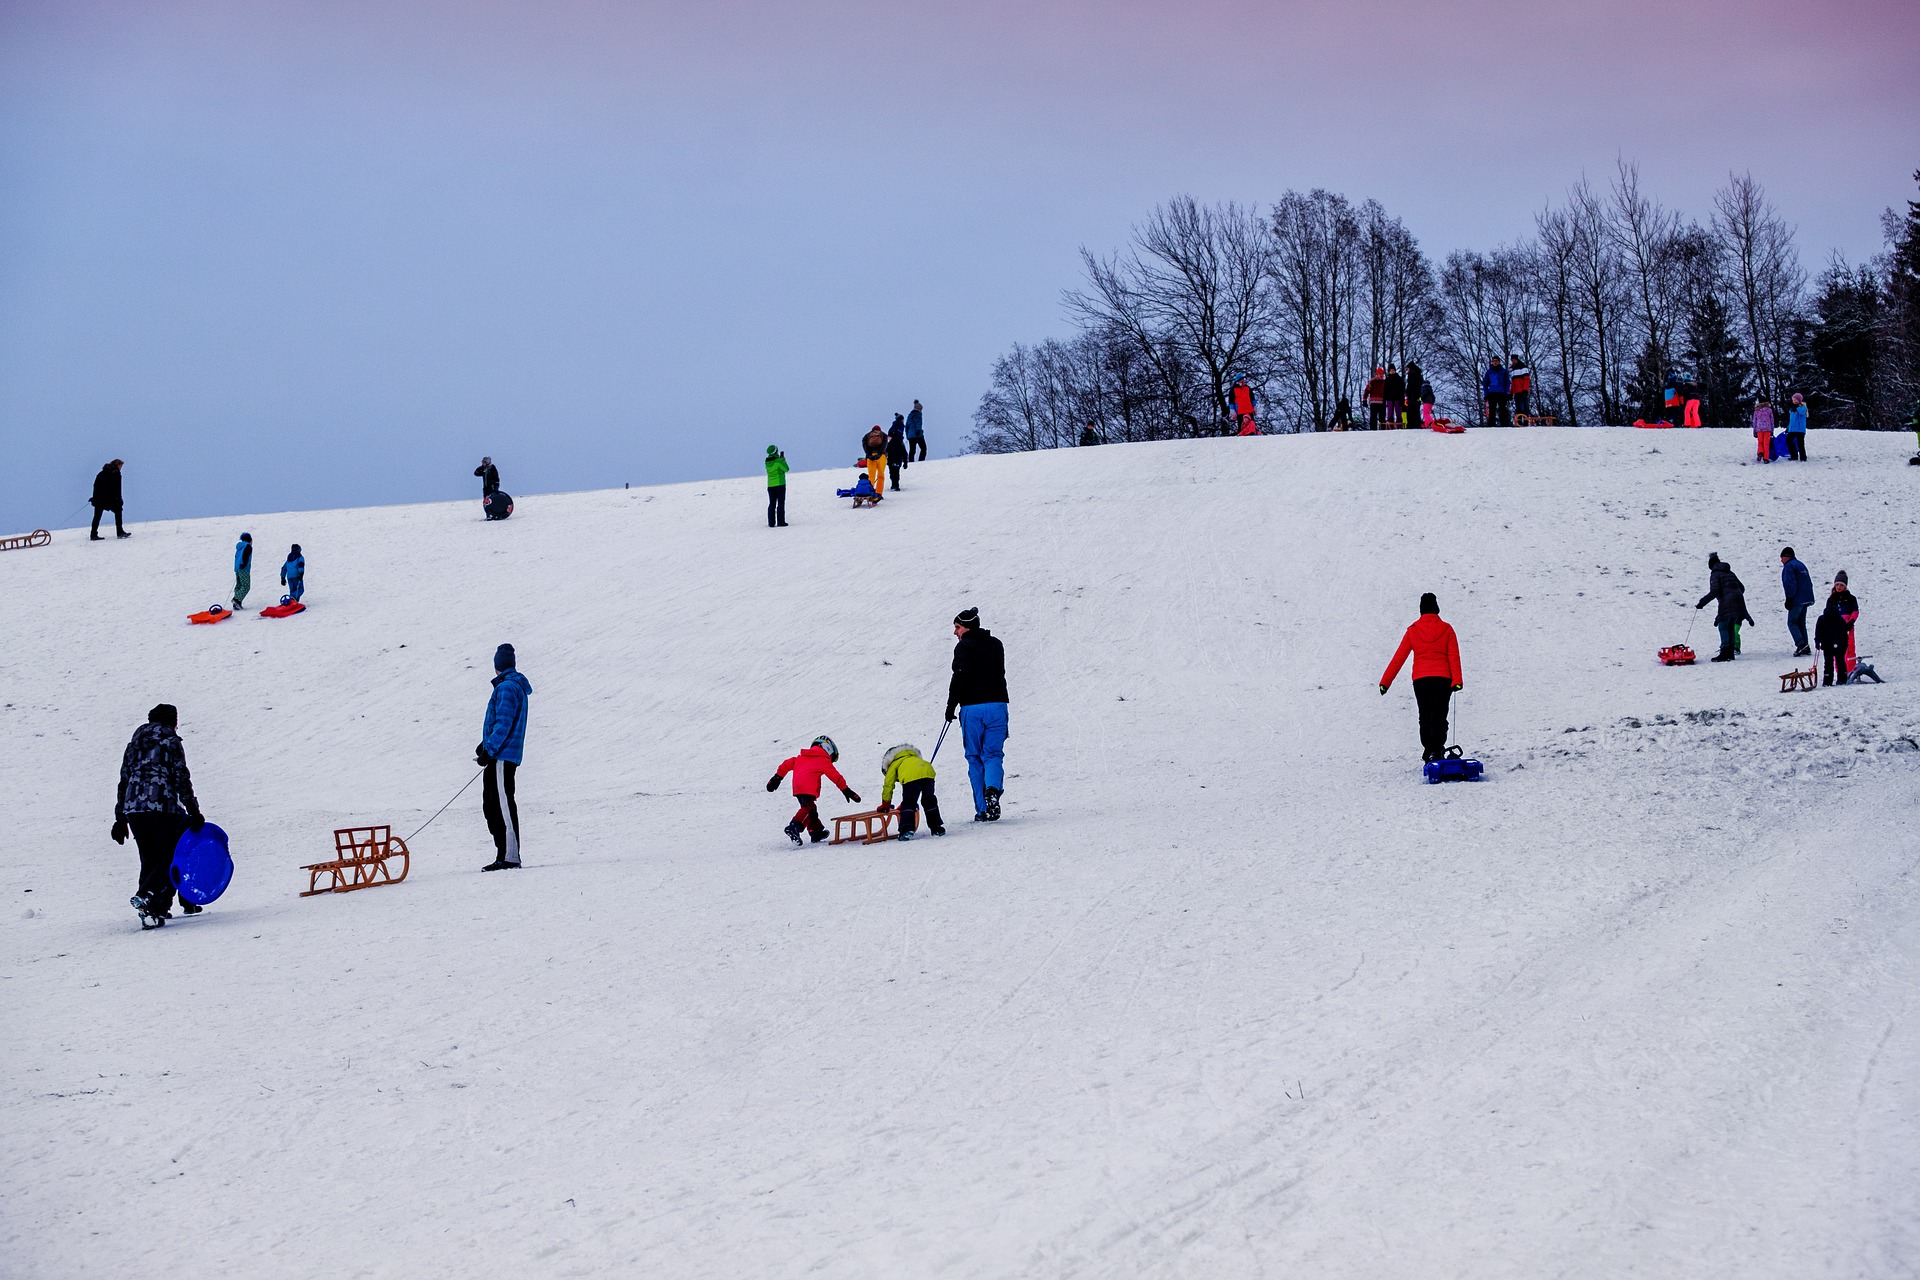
x=106, y=497
x=1724, y=586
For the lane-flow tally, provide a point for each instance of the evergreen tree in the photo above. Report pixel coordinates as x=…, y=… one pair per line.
x=1843, y=349
x=1647, y=385
x=1900, y=321
x=1721, y=373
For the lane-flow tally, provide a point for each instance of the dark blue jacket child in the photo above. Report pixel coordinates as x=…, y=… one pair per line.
x=294, y=573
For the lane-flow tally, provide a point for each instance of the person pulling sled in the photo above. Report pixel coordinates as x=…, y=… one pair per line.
x=154, y=805
x=1724, y=586
x=808, y=768
x=1437, y=674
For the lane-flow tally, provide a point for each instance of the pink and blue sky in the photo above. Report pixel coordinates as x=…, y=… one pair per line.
x=304, y=254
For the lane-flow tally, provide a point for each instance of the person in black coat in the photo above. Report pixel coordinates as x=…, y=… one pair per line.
x=489, y=478
x=978, y=692
x=155, y=804
x=1723, y=586
x=896, y=448
x=106, y=497
x=1396, y=392
x=1830, y=638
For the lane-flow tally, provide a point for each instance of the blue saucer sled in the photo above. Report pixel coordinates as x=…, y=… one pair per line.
x=202, y=867
x=1453, y=769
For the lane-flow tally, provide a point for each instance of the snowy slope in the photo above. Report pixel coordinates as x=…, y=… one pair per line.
x=1229, y=993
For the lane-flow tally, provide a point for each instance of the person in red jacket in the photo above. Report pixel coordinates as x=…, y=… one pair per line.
x=808, y=768
x=1436, y=674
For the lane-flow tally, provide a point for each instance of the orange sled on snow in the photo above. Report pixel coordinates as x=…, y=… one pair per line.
x=218, y=613
x=283, y=610
x=1448, y=427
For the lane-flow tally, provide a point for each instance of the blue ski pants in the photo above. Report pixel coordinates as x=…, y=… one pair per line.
x=983, y=727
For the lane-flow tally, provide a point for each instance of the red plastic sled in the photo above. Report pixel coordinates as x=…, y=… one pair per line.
x=1662, y=425
x=215, y=614
x=283, y=610
x=1447, y=427
x=1677, y=655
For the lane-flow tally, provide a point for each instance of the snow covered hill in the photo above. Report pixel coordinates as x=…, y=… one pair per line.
x=1228, y=993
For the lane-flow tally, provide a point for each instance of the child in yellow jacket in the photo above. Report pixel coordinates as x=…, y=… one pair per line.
x=903, y=765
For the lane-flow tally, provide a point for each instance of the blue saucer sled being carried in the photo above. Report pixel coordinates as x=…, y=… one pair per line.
x=202, y=869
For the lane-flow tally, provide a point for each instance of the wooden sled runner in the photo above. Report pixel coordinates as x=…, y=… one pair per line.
x=866, y=828
x=1808, y=680
x=38, y=538
x=364, y=859
x=1534, y=420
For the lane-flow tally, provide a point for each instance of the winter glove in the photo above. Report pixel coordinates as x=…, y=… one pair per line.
x=773, y=783
x=1457, y=688
x=886, y=806
x=852, y=796
x=195, y=821
x=1383, y=690
x=949, y=715
x=480, y=756
x=119, y=830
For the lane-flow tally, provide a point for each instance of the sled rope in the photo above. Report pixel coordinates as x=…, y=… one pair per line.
x=443, y=808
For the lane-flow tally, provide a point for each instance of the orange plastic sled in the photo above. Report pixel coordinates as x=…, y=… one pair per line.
x=283, y=610
x=215, y=614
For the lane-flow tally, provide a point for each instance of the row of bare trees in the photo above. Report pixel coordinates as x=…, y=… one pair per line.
x=1613, y=299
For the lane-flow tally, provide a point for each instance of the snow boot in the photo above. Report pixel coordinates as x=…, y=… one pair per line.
x=501, y=864
x=793, y=830
x=149, y=918
x=1721, y=657
x=190, y=908
x=993, y=804
x=904, y=835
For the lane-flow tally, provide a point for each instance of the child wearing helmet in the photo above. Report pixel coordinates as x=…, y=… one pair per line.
x=903, y=765
x=808, y=768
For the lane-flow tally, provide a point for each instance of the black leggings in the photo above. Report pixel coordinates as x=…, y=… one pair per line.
x=919, y=795
x=100, y=511
x=916, y=448
x=1431, y=694
x=776, y=505
x=156, y=834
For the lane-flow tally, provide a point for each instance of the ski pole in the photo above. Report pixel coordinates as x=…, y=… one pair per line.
x=449, y=804
x=943, y=737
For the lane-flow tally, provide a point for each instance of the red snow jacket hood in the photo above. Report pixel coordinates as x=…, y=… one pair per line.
x=808, y=768
x=1435, y=650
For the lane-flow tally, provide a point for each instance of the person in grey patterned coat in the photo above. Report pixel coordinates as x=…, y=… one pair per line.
x=155, y=804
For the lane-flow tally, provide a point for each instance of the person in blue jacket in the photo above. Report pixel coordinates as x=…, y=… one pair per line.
x=503, y=738
x=1797, y=434
x=1798, y=585
x=294, y=574
x=916, y=434
x=1497, y=397
x=242, y=569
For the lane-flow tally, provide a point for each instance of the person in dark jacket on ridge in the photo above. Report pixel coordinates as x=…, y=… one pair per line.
x=106, y=497
x=1798, y=585
x=916, y=434
x=1732, y=595
x=489, y=478
x=155, y=804
x=896, y=448
x=978, y=691
x=503, y=740
x=776, y=488
x=1394, y=390
x=1437, y=674
x=1089, y=436
x=242, y=569
x=1416, y=383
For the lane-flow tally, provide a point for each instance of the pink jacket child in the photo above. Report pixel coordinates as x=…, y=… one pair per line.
x=808, y=768
x=1763, y=431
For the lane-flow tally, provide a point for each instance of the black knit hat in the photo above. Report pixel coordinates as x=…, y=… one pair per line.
x=968, y=618
x=503, y=658
x=166, y=713
x=1429, y=603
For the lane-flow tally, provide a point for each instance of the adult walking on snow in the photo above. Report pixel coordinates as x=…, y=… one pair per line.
x=978, y=691
x=106, y=497
x=873, y=449
x=1798, y=585
x=155, y=804
x=242, y=569
x=1437, y=674
x=916, y=434
x=776, y=487
x=897, y=448
x=503, y=738
x=489, y=478
x=1724, y=586
x=1496, y=386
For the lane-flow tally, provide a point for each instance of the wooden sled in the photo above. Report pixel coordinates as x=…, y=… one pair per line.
x=866, y=499
x=38, y=538
x=365, y=857
x=866, y=828
x=1808, y=680
x=1535, y=420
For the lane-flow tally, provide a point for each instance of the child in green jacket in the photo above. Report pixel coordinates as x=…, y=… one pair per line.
x=903, y=765
x=776, y=487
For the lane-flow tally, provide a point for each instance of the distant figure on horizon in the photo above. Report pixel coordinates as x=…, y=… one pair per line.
x=916, y=435
x=1342, y=415
x=1088, y=436
x=489, y=478
x=1520, y=384
x=1376, y=397
x=776, y=488
x=106, y=497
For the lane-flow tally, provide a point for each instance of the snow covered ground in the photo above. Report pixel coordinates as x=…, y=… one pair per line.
x=1228, y=993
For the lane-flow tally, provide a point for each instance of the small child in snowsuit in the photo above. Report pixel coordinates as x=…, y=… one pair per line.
x=862, y=488
x=294, y=574
x=1830, y=638
x=242, y=569
x=902, y=764
x=808, y=768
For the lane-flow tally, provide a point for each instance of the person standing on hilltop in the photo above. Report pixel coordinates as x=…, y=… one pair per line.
x=776, y=487
x=897, y=448
x=1496, y=388
x=1393, y=394
x=978, y=691
x=1763, y=430
x=1797, y=429
x=1376, y=397
x=106, y=497
x=489, y=478
x=1437, y=674
x=1520, y=384
x=916, y=434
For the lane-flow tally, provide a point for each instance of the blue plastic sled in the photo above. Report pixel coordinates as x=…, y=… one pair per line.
x=1453, y=770
x=202, y=866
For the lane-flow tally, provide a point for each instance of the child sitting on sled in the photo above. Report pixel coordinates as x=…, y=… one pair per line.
x=902, y=764
x=808, y=768
x=862, y=491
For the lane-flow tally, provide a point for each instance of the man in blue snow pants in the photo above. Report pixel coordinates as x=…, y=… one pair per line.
x=979, y=693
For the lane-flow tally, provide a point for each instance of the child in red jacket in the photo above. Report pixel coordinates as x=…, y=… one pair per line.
x=808, y=768
x=1436, y=674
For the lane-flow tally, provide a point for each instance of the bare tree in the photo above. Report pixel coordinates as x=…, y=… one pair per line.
x=1556, y=285
x=1767, y=274
x=1643, y=235
x=1313, y=265
x=1601, y=283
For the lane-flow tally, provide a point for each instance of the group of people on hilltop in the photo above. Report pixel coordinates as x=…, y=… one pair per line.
x=884, y=454
x=1393, y=399
x=1506, y=390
